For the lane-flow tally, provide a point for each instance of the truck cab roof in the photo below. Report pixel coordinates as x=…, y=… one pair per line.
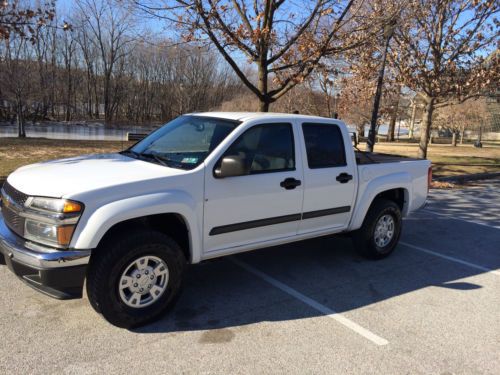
x=245, y=116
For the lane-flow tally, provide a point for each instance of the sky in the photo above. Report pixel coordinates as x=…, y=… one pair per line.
x=65, y=6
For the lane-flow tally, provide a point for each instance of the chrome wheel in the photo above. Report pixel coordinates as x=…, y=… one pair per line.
x=143, y=281
x=384, y=230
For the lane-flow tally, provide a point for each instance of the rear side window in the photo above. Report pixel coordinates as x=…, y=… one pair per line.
x=324, y=145
x=265, y=148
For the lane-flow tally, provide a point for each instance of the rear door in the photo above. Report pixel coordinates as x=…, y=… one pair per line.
x=260, y=205
x=329, y=177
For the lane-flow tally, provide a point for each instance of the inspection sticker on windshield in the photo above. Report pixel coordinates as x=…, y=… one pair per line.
x=190, y=160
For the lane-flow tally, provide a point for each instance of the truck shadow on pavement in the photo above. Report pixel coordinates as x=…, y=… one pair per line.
x=220, y=295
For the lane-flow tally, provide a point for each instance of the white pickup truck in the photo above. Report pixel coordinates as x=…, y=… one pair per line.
x=202, y=186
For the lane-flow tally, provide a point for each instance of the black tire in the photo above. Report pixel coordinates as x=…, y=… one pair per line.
x=364, y=238
x=110, y=261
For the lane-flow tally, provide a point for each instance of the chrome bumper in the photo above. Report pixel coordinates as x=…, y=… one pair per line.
x=33, y=255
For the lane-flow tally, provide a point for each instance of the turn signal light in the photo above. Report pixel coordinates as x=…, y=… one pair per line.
x=64, y=234
x=70, y=206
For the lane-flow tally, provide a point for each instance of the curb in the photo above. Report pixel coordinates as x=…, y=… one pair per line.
x=469, y=177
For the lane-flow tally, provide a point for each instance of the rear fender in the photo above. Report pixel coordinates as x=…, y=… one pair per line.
x=375, y=187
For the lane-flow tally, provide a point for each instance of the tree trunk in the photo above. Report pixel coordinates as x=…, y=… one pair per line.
x=360, y=128
x=394, y=116
x=454, y=139
x=264, y=106
x=412, y=121
x=67, y=117
x=20, y=122
x=328, y=105
x=69, y=88
x=97, y=109
x=392, y=126
x=425, y=128
x=107, y=102
x=262, y=86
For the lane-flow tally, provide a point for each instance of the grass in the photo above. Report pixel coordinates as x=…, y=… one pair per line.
x=448, y=160
x=15, y=153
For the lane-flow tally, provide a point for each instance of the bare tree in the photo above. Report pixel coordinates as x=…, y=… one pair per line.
x=18, y=80
x=68, y=52
x=109, y=30
x=441, y=52
x=88, y=57
x=459, y=118
x=284, y=41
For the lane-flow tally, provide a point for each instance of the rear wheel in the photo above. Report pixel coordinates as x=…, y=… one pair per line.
x=134, y=280
x=378, y=236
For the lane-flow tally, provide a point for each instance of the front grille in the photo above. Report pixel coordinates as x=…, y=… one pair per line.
x=14, y=194
x=12, y=219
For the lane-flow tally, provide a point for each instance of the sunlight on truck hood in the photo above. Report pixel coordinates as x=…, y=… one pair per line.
x=60, y=178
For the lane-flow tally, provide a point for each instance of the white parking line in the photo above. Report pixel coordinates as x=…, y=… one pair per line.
x=460, y=219
x=312, y=303
x=450, y=258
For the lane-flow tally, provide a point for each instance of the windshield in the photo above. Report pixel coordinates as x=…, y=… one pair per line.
x=184, y=142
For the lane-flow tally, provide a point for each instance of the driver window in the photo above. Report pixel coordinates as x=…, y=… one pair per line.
x=265, y=148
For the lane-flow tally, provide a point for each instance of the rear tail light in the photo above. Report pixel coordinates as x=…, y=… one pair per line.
x=429, y=178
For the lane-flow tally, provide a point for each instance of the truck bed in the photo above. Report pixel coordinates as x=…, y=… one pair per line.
x=363, y=158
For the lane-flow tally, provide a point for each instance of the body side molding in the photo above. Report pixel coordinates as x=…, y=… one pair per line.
x=277, y=220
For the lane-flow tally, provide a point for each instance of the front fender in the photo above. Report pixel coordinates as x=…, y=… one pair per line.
x=94, y=225
x=368, y=192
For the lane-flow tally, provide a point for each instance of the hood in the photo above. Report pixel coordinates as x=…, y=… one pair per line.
x=66, y=177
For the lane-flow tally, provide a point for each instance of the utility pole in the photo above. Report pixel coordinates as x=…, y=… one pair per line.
x=388, y=33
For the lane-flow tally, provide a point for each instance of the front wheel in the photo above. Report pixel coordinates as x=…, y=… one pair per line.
x=378, y=236
x=133, y=280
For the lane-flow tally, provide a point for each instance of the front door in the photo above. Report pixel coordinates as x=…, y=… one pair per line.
x=260, y=205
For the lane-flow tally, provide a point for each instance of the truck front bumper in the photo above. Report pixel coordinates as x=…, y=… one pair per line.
x=57, y=273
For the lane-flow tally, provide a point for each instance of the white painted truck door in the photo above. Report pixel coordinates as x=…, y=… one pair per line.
x=330, y=178
x=265, y=202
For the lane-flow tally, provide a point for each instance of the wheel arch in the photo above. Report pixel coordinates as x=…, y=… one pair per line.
x=172, y=213
x=399, y=196
x=172, y=224
x=395, y=187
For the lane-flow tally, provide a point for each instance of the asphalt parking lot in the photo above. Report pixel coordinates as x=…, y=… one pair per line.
x=312, y=307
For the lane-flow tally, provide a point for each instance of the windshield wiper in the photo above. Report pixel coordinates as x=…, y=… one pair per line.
x=130, y=152
x=166, y=162
x=163, y=160
x=159, y=159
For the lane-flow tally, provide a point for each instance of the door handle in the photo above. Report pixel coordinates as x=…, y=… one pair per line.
x=344, y=178
x=290, y=183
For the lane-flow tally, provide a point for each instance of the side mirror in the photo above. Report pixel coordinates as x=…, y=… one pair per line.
x=230, y=166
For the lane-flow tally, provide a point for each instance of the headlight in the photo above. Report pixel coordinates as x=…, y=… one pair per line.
x=53, y=205
x=51, y=221
x=50, y=234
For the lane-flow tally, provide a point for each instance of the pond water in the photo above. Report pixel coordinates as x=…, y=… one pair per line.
x=78, y=132
x=100, y=132
x=383, y=129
